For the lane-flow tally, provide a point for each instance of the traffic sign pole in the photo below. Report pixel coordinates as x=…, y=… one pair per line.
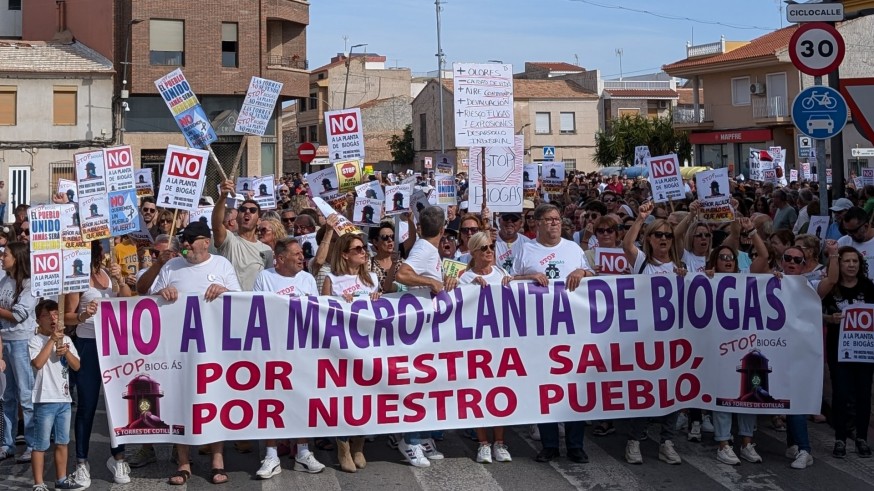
x=820, y=168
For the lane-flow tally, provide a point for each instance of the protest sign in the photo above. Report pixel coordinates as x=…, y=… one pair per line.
x=552, y=177
x=757, y=157
x=258, y=106
x=119, y=168
x=452, y=268
x=641, y=153
x=404, y=230
x=142, y=237
x=202, y=214
x=483, y=95
x=370, y=190
x=428, y=163
x=45, y=273
x=867, y=176
x=90, y=173
x=769, y=176
x=504, y=172
x=793, y=175
x=68, y=188
x=345, y=134
x=183, y=178
x=805, y=172
x=529, y=181
x=94, y=217
x=264, y=191
x=665, y=179
x=714, y=196
x=397, y=199
x=616, y=347
x=367, y=212
x=445, y=164
x=186, y=110
x=309, y=244
x=71, y=233
x=818, y=226
x=76, y=264
x=856, y=341
x=828, y=176
x=446, y=190
x=45, y=227
x=144, y=183
x=857, y=181
x=611, y=260
x=323, y=182
x=343, y=226
x=124, y=217
x=348, y=174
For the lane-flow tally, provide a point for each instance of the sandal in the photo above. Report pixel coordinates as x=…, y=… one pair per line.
x=183, y=474
x=218, y=472
x=325, y=444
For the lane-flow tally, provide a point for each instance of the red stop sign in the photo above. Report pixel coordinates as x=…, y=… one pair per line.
x=348, y=170
x=306, y=152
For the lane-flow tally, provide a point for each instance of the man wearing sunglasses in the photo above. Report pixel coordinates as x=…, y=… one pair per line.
x=610, y=200
x=288, y=217
x=860, y=235
x=510, y=241
x=149, y=211
x=243, y=249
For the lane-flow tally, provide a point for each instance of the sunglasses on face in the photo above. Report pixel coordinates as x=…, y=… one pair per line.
x=289, y=219
x=192, y=239
x=489, y=247
x=263, y=230
x=857, y=229
x=386, y=238
x=663, y=235
x=248, y=209
x=469, y=230
x=149, y=210
x=726, y=257
x=165, y=220
x=511, y=218
x=793, y=259
x=608, y=200
x=604, y=230
x=593, y=216
x=529, y=217
x=705, y=235
x=356, y=249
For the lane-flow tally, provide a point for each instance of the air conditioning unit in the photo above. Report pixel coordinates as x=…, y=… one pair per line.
x=757, y=89
x=664, y=104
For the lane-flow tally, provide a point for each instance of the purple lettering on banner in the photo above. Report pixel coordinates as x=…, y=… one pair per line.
x=681, y=300
x=462, y=332
x=443, y=307
x=487, y=315
x=192, y=326
x=776, y=324
x=561, y=310
x=146, y=305
x=410, y=337
x=513, y=309
x=703, y=283
x=753, y=306
x=229, y=343
x=111, y=325
x=303, y=326
x=595, y=287
x=258, y=327
x=661, y=302
x=732, y=322
x=383, y=314
x=335, y=325
x=625, y=304
x=539, y=315
x=358, y=339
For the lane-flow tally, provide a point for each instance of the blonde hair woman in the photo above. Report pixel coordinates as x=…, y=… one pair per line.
x=481, y=269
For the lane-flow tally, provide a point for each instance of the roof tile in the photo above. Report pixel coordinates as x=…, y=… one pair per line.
x=760, y=47
x=48, y=57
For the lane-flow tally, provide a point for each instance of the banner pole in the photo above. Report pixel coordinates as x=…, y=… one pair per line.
x=239, y=157
x=483, y=169
x=217, y=163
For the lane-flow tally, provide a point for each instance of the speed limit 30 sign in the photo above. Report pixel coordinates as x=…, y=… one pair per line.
x=816, y=48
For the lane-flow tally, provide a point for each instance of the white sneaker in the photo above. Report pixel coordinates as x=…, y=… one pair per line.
x=748, y=453
x=707, y=424
x=308, y=463
x=269, y=467
x=682, y=422
x=535, y=433
x=484, y=454
x=792, y=452
x=82, y=475
x=119, y=469
x=25, y=456
x=726, y=455
x=499, y=450
x=694, y=433
x=414, y=454
x=429, y=449
x=803, y=460
x=668, y=454
x=632, y=452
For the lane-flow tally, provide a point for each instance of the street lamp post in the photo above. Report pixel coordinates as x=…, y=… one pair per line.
x=124, y=92
x=348, y=62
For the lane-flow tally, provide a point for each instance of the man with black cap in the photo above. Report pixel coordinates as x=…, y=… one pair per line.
x=509, y=241
x=196, y=272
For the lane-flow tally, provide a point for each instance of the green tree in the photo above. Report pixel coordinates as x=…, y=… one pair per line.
x=615, y=146
x=402, y=152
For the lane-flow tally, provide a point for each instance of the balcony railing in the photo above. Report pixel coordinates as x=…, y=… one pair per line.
x=705, y=49
x=770, y=107
x=640, y=85
x=288, y=62
x=688, y=115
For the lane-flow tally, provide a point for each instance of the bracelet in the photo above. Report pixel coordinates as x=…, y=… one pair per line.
x=79, y=317
x=748, y=231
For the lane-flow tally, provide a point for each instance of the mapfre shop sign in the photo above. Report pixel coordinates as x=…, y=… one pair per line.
x=345, y=134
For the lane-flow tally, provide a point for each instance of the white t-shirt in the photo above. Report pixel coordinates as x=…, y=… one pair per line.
x=85, y=329
x=556, y=262
x=651, y=269
x=864, y=248
x=248, y=258
x=196, y=278
x=299, y=285
x=52, y=381
x=694, y=264
x=493, y=278
x=24, y=325
x=425, y=260
x=351, y=284
x=506, y=253
x=593, y=240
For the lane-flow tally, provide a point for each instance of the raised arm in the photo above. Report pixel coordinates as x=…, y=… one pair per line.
x=219, y=232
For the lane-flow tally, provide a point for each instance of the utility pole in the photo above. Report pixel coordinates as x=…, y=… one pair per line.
x=619, y=54
x=348, y=62
x=440, y=62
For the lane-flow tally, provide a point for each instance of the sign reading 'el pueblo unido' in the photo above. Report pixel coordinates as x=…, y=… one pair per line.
x=483, y=95
x=183, y=177
x=665, y=179
x=503, y=177
x=258, y=106
x=186, y=109
x=345, y=134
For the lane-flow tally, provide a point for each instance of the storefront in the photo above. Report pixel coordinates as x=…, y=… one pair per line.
x=729, y=148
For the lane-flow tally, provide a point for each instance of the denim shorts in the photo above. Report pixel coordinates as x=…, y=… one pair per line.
x=48, y=416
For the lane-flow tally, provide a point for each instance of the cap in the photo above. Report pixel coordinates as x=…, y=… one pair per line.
x=452, y=231
x=196, y=229
x=842, y=204
x=511, y=214
x=527, y=204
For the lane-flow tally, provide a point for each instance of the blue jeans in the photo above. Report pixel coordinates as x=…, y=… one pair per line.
x=49, y=416
x=746, y=425
x=416, y=437
x=574, y=433
x=19, y=390
x=668, y=422
x=796, y=431
x=88, y=383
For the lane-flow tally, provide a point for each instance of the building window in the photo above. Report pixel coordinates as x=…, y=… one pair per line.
x=302, y=135
x=740, y=91
x=167, y=42
x=314, y=133
x=229, y=45
x=423, y=131
x=568, y=124
x=569, y=164
x=8, y=104
x=64, y=105
x=542, y=124
x=14, y=4
x=302, y=104
x=61, y=170
x=314, y=101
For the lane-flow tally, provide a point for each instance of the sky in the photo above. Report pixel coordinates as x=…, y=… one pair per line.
x=516, y=31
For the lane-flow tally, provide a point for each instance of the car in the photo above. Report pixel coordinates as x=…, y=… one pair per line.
x=820, y=122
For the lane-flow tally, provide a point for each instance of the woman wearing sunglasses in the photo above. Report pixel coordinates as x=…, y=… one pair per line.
x=385, y=263
x=810, y=244
x=698, y=239
x=270, y=231
x=659, y=254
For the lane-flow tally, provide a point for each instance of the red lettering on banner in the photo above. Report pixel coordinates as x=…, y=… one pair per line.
x=46, y=263
x=118, y=157
x=269, y=411
x=469, y=399
x=278, y=372
x=184, y=165
x=244, y=375
x=386, y=409
x=342, y=124
x=859, y=320
x=663, y=168
x=640, y=394
x=555, y=354
x=395, y=370
x=590, y=398
x=229, y=423
x=349, y=412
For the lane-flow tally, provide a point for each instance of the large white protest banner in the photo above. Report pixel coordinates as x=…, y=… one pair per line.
x=345, y=134
x=483, y=95
x=183, y=178
x=258, y=106
x=504, y=168
x=256, y=366
x=665, y=179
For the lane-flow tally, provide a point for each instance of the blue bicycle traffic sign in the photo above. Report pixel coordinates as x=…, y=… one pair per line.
x=819, y=112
